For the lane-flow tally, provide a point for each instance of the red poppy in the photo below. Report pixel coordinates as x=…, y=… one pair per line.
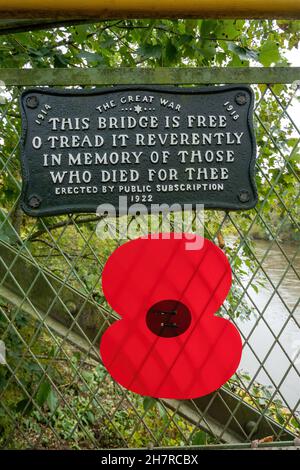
x=169, y=343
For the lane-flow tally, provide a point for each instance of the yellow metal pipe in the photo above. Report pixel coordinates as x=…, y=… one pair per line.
x=150, y=9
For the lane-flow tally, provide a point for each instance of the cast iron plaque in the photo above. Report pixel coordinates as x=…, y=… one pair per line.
x=154, y=145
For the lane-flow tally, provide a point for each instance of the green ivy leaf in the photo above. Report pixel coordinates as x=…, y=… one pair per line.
x=43, y=392
x=59, y=61
x=80, y=33
x=170, y=54
x=199, y=438
x=208, y=28
x=295, y=157
x=148, y=403
x=269, y=53
x=52, y=400
x=230, y=29
x=208, y=49
x=150, y=51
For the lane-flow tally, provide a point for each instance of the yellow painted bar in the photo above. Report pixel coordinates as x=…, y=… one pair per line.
x=100, y=9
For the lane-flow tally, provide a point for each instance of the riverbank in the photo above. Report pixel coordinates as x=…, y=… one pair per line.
x=287, y=233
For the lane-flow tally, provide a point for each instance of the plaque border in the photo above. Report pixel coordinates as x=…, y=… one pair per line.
x=173, y=90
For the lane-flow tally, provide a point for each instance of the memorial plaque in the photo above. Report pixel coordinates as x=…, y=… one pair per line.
x=154, y=145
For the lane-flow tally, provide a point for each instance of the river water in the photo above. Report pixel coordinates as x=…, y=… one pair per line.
x=281, y=316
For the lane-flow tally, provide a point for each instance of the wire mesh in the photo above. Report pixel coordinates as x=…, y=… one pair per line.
x=54, y=391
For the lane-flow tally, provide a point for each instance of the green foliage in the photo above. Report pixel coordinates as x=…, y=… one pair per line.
x=8, y=233
x=84, y=409
x=153, y=42
x=264, y=399
x=269, y=53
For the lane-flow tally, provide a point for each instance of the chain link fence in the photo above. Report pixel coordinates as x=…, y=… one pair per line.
x=54, y=391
